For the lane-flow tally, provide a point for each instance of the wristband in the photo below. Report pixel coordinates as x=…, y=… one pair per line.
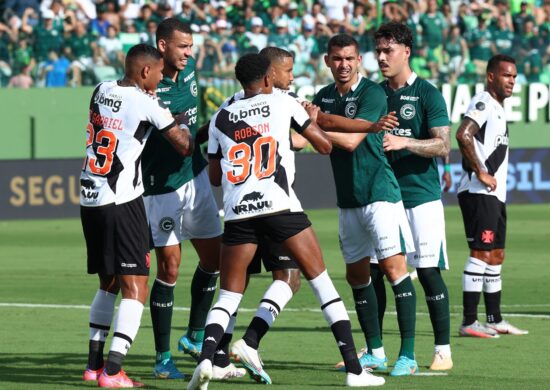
x=447, y=168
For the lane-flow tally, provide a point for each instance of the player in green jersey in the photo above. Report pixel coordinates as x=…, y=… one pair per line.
x=412, y=149
x=371, y=215
x=179, y=203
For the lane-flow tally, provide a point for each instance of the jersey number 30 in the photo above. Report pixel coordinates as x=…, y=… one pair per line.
x=260, y=159
x=106, y=143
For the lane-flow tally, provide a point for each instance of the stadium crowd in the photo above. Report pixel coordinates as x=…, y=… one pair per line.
x=54, y=43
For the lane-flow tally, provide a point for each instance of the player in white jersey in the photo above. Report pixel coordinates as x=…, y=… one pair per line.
x=250, y=156
x=122, y=114
x=483, y=141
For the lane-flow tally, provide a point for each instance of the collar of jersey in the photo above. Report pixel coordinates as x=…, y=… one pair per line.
x=354, y=86
x=412, y=79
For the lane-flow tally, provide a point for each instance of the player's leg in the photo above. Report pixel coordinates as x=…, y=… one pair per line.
x=201, y=224
x=99, y=227
x=305, y=250
x=492, y=281
x=357, y=248
x=101, y=317
x=164, y=217
x=286, y=281
x=131, y=263
x=477, y=220
x=427, y=223
x=393, y=241
x=377, y=278
x=236, y=257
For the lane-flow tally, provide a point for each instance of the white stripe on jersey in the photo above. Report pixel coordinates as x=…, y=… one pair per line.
x=258, y=165
x=240, y=94
x=491, y=145
x=120, y=121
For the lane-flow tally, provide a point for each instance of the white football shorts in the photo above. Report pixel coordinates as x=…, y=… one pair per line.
x=427, y=223
x=190, y=212
x=378, y=230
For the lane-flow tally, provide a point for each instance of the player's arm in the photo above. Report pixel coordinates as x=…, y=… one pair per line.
x=318, y=138
x=202, y=134
x=341, y=124
x=438, y=145
x=298, y=142
x=180, y=138
x=465, y=137
x=446, y=177
x=215, y=171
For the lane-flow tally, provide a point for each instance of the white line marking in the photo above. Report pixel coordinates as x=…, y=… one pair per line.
x=431, y=374
x=246, y=310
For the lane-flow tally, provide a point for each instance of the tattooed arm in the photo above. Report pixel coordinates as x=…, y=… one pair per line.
x=465, y=137
x=438, y=145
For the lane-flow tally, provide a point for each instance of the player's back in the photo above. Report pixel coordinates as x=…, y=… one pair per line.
x=253, y=137
x=116, y=135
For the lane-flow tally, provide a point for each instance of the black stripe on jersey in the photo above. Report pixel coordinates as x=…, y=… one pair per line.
x=136, y=171
x=168, y=127
x=299, y=129
x=142, y=130
x=216, y=156
x=480, y=135
x=495, y=160
x=230, y=128
x=280, y=175
x=117, y=167
x=93, y=106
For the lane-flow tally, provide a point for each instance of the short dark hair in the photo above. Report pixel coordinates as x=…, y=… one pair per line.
x=342, y=40
x=142, y=50
x=167, y=27
x=395, y=31
x=273, y=53
x=495, y=60
x=251, y=67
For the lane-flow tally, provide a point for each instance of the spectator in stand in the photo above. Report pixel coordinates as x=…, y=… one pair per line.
x=145, y=15
x=434, y=27
x=53, y=72
x=317, y=14
x=46, y=37
x=334, y=9
x=149, y=35
x=241, y=40
x=456, y=51
x=100, y=25
x=84, y=48
x=22, y=80
x=210, y=58
x=294, y=19
x=23, y=56
x=480, y=43
x=110, y=49
x=190, y=13
x=503, y=37
x=281, y=38
x=256, y=36
x=524, y=15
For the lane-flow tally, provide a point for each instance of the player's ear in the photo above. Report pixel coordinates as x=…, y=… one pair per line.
x=161, y=45
x=326, y=60
x=145, y=70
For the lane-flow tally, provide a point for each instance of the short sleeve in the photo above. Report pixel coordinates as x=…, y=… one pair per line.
x=158, y=116
x=214, y=147
x=478, y=109
x=299, y=117
x=436, y=109
x=372, y=104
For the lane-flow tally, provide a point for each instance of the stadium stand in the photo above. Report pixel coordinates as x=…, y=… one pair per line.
x=52, y=43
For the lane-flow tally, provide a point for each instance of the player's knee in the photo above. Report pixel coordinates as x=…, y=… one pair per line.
x=497, y=257
x=168, y=269
x=294, y=280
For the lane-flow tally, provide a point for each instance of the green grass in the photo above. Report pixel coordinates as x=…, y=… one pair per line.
x=43, y=262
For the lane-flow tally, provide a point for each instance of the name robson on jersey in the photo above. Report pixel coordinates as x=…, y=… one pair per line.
x=251, y=131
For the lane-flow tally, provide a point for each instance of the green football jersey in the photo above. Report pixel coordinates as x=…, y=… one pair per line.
x=363, y=176
x=419, y=106
x=164, y=170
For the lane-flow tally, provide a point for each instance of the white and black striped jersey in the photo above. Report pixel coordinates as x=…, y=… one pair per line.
x=491, y=146
x=251, y=137
x=120, y=120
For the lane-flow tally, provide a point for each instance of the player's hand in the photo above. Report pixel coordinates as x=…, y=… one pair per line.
x=181, y=118
x=447, y=182
x=393, y=142
x=386, y=123
x=488, y=180
x=312, y=110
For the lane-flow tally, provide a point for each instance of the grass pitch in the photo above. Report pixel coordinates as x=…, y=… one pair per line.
x=45, y=347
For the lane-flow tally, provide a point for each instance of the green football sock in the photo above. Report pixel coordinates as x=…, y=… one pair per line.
x=161, y=304
x=377, y=278
x=203, y=289
x=405, y=304
x=366, y=307
x=437, y=298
